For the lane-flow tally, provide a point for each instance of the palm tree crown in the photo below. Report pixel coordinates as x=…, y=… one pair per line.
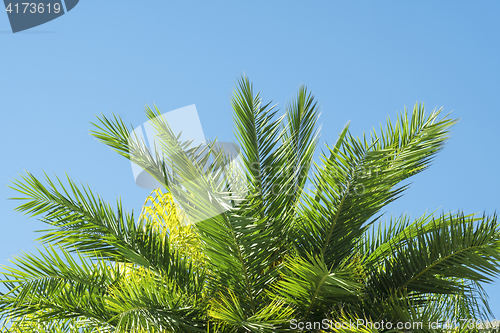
x=302, y=246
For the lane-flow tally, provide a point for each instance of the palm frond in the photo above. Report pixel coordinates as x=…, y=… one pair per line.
x=148, y=302
x=312, y=286
x=85, y=223
x=359, y=177
x=435, y=260
x=54, y=287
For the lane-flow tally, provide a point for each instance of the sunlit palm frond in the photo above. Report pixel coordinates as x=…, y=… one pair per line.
x=452, y=257
x=360, y=176
x=55, y=286
x=166, y=217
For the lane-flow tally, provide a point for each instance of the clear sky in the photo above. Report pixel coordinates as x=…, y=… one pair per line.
x=363, y=60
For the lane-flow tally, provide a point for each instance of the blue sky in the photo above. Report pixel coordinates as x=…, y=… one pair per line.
x=362, y=60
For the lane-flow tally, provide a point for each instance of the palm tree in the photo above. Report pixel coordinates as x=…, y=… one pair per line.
x=303, y=246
